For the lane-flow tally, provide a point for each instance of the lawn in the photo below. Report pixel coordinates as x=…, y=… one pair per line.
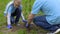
x=27, y=5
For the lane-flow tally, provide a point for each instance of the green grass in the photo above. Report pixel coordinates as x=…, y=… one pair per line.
x=27, y=5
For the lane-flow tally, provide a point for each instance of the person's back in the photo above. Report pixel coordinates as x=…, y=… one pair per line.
x=51, y=18
x=51, y=8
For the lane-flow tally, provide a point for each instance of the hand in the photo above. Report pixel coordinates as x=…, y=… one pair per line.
x=25, y=21
x=9, y=27
x=26, y=24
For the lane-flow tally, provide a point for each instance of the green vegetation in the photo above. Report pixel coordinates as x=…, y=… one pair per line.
x=27, y=5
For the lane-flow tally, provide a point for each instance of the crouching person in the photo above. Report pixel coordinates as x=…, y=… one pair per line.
x=13, y=12
x=51, y=20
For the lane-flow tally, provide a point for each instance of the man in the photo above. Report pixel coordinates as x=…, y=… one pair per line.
x=13, y=12
x=51, y=20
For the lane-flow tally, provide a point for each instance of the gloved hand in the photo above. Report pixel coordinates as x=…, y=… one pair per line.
x=25, y=21
x=9, y=27
x=26, y=24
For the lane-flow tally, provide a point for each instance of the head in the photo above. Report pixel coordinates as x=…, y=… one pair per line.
x=17, y=3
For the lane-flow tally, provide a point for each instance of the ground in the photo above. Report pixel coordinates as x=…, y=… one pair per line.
x=16, y=30
x=22, y=30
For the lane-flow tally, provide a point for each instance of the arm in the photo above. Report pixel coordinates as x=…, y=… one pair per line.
x=9, y=15
x=6, y=14
x=30, y=18
x=23, y=19
x=8, y=19
x=35, y=9
x=22, y=16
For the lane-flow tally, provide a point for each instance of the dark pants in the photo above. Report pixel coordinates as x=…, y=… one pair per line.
x=42, y=22
x=16, y=14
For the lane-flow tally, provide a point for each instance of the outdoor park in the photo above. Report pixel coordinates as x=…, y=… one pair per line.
x=27, y=6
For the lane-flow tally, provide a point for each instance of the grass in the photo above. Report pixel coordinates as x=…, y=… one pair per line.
x=27, y=5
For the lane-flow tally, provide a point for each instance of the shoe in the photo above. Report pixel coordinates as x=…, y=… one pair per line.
x=9, y=27
x=58, y=30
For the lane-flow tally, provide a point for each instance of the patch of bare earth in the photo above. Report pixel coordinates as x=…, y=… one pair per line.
x=34, y=29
